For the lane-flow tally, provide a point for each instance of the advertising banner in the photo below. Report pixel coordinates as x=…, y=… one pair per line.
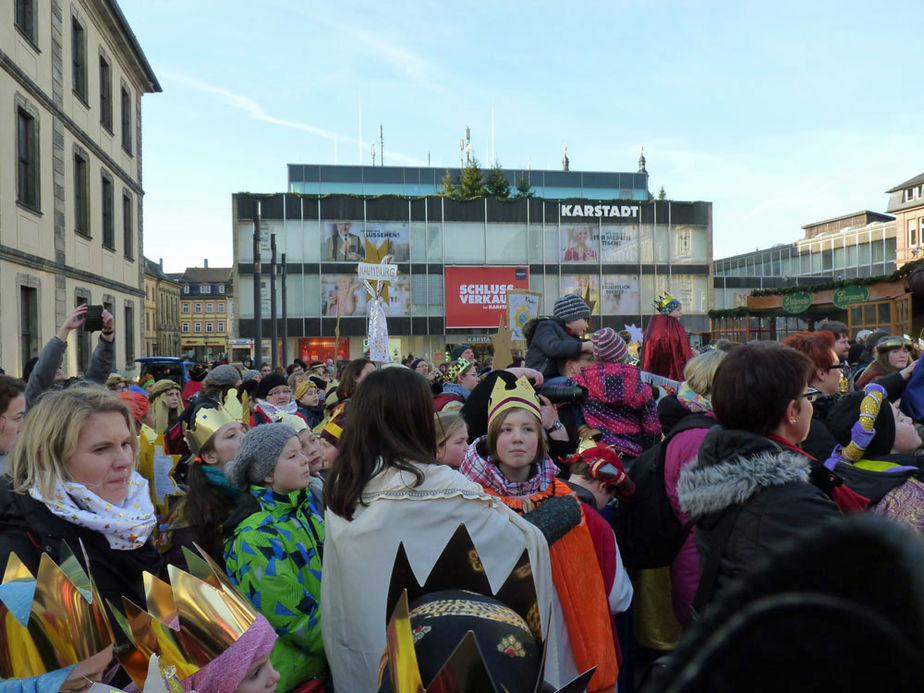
x=344, y=295
x=579, y=243
x=587, y=286
x=477, y=296
x=619, y=244
x=345, y=241
x=620, y=294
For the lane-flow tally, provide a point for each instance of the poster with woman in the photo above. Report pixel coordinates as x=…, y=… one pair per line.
x=620, y=294
x=579, y=244
x=587, y=286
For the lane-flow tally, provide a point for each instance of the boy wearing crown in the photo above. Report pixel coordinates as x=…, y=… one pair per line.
x=666, y=347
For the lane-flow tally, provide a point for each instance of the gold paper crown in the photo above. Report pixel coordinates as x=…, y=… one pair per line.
x=50, y=621
x=209, y=419
x=458, y=567
x=189, y=622
x=666, y=303
x=458, y=367
x=522, y=396
x=296, y=423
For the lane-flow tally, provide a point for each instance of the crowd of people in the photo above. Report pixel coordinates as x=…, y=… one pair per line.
x=597, y=516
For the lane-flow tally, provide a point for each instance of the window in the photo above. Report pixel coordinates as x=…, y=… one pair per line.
x=28, y=322
x=208, y=327
x=130, y=335
x=186, y=288
x=197, y=327
x=209, y=308
x=79, y=59
x=126, y=120
x=912, y=232
x=219, y=327
x=221, y=288
x=27, y=160
x=220, y=307
x=105, y=94
x=108, y=222
x=81, y=195
x=198, y=308
x=127, y=226
x=184, y=327
x=25, y=18
x=185, y=308
x=205, y=289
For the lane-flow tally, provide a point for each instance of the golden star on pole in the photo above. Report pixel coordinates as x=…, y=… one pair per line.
x=379, y=256
x=503, y=345
x=586, y=297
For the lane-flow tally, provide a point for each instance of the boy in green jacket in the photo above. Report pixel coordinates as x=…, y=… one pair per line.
x=274, y=544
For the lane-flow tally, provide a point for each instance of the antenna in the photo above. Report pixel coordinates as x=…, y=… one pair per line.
x=565, y=162
x=461, y=153
x=493, y=155
x=360, y=133
x=428, y=159
x=373, y=153
x=381, y=146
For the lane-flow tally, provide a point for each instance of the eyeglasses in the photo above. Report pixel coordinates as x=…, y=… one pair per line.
x=810, y=396
x=839, y=366
x=279, y=391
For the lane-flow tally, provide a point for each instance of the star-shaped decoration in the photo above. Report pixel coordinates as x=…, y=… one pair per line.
x=157, y=467
x=503, y=345
x=586, y=297
x=379, y=256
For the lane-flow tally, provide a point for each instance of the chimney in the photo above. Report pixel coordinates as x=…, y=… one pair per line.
x=205, y=263
x=161, y=262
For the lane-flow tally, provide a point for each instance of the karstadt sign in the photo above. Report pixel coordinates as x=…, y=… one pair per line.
x=585, y=211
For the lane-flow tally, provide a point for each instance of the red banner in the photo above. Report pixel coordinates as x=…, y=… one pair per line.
x=477, y=296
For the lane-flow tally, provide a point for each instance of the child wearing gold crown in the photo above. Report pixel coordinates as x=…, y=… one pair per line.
x=511, y=463
x=666, y=346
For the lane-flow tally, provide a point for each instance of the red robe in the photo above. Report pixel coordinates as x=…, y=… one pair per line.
x=666, y=347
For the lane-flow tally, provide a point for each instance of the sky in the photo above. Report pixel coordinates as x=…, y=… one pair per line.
x=780, y=114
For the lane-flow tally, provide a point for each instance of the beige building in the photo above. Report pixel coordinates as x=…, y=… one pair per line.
x=161, y=311
x=206, y=307
x=71, y=79
x=906, y=202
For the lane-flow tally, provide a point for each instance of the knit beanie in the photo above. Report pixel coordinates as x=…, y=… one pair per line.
x=609, y=347
x=257, y=456
x=227, y=671
x=162, y=386
x=570, y=307
x=302, y=388
x=846, y=412
x=138, y=403
x=458, y=350
x=223, y=376
x=417, y=362
x=273, y=380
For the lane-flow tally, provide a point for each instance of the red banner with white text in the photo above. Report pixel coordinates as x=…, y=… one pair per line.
x=477, y=296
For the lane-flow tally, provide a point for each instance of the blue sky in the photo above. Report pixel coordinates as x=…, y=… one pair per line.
x=779, y=114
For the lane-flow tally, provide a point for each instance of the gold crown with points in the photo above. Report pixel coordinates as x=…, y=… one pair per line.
x=521, y=396
x=208, y=419
x=189, y=621
x=666, y=304
x=49, y=621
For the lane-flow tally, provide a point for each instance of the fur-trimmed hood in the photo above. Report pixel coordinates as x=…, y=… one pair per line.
x=707, y=486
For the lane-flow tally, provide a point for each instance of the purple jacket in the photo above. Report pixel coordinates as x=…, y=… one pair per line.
x=685, y=568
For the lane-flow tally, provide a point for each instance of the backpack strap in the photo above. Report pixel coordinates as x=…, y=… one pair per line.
x=716, y=552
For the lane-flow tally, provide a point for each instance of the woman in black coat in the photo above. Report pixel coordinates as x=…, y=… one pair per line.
x=72, y=480
x=748, y=490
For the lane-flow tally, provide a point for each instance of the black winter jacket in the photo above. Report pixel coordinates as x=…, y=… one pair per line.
x=770, y=483
x=29, y=528
x=549, y=344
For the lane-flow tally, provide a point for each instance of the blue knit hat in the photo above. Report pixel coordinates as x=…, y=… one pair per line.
x=570, y=307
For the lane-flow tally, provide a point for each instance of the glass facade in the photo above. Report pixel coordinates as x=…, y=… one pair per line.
x=620, y=256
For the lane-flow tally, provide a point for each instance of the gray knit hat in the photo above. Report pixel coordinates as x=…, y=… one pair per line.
x=223, y=376
x=257, y=456
x=571, y=307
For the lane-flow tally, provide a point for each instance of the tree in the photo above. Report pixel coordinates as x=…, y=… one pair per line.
x=497, y=185
x=448, y=188
x=661, y=194
x=471, y=182
x=524, y=189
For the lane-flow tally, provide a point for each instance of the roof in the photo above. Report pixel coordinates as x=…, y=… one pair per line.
x=206, y=275
x=122, y=22
x=870, y=216
x=910, y=183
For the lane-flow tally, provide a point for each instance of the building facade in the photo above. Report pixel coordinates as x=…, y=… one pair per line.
x=161, y=311
x=860, y=244
x=206, y=306
x=456, y=258
x=906, y=202
x=72, y=75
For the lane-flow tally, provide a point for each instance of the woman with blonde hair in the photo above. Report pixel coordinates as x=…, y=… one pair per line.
x=166, y=404
x=451, y=438
x=72, y=480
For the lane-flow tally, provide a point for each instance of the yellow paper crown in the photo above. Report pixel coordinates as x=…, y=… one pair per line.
x=458, y=367
x=209, y=419
x=293, y=421
x=189, y=622
x=523, y=396
x=666, y=304
x=50, y=621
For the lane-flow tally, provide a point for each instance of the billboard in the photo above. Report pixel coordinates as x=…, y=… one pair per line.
x=345, y=241
x=344, y=295
x=477, y=296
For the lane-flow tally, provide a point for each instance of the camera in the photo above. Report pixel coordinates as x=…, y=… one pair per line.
x=564, y=394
